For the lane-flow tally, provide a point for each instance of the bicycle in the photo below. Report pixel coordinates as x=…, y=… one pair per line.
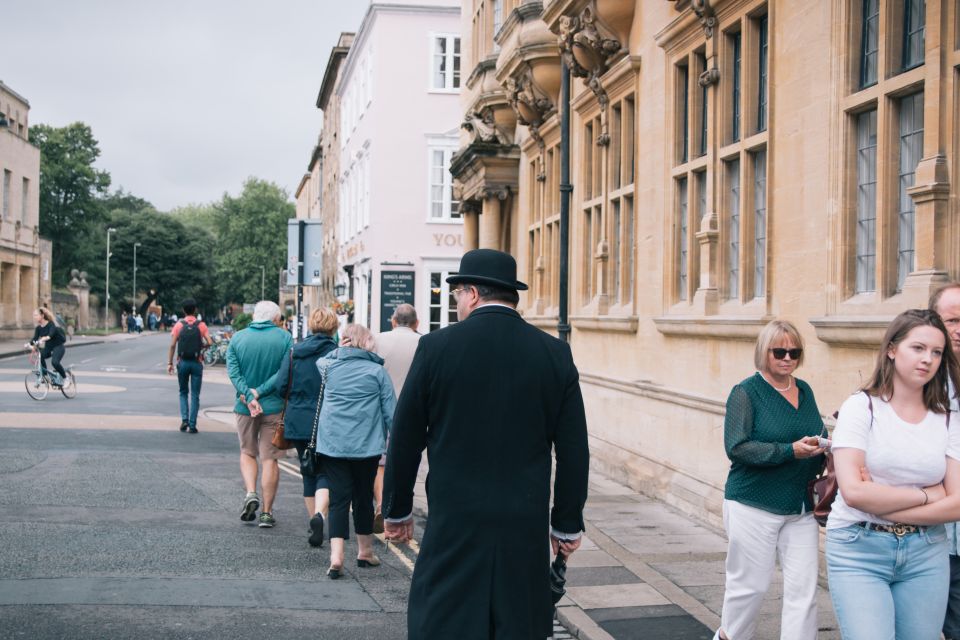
x=217, y=352
x=40, y=379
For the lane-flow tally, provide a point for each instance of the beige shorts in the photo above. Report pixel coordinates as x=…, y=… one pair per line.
x=256, y=435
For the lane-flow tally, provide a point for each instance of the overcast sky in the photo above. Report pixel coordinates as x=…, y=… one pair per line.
x=186, y=97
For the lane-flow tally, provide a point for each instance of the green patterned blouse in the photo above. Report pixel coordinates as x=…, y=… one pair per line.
x=758, y=433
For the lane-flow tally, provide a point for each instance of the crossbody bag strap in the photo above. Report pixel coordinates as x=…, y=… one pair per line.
x=316, y=418
x=286, y=397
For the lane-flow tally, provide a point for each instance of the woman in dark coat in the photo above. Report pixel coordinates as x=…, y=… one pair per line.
x=302, y=406
x=49, y=339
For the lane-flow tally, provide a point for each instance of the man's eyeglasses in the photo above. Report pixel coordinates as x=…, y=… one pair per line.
x=780, y=353
x=458, y=291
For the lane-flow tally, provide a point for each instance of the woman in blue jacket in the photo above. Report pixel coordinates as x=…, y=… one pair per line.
x=299, y=376
x=355, y=418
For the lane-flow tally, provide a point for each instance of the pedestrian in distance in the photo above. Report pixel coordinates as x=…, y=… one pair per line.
x=131, y=323
x=946, y=302
x=896, y=450
x=396, y=347
x=299, y=377
x=771, y=434
x=489, y=398
x=354, y=420
x=254, y=358
x=188, y=339
x=139, y=323
x=50, y=340
x=123, y=321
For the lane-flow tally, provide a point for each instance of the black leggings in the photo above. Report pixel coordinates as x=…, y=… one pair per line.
x=57, y=353
x=351, y=481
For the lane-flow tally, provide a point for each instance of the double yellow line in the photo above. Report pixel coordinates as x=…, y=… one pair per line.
x=294, y=470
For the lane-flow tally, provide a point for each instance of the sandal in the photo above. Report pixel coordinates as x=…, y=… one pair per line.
x=334, y=573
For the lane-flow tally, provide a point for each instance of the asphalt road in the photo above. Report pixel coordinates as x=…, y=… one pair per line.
x=116, y=525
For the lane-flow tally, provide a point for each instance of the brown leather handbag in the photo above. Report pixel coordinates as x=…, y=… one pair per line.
x=279, y=441
x=823, y=489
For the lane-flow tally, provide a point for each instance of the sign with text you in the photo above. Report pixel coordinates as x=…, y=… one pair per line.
x=396, y=288
x=312, y=243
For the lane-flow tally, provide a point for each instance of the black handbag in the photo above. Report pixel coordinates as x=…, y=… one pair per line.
x=310, y=461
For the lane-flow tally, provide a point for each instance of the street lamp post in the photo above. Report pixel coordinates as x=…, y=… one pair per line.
x=262, y=281
x=135, y=245
x=106, y=304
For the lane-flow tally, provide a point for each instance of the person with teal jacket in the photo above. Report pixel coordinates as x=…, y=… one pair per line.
x=254, y=358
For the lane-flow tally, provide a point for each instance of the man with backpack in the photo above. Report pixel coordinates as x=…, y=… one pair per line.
x=189, y=337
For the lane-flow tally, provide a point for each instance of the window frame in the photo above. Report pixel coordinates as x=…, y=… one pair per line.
x=447, y=146
x=453, y=78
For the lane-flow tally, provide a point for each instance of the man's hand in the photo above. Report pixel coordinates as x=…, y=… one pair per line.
x=170, y=368
x=255, y=408
x=566, y=546
x=399, y=531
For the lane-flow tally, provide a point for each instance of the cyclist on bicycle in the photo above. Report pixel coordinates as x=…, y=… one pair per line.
x=49, y=339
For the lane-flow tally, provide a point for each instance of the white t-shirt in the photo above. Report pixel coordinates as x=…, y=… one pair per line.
x=898, y=453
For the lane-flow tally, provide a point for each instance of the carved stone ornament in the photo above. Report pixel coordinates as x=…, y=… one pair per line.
x=500, y=192
x=532, y=107
x=708, y=18
x=471, y=206
x=587, y=47
x=709, y=77
x=483, y=128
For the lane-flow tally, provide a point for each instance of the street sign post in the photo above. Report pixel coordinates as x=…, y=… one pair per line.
x=304, y=260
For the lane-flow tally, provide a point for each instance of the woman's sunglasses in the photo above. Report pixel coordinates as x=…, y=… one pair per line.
x=780, y=353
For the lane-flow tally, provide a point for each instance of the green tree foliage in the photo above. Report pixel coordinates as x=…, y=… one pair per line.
x=212, y=253
x=70, y=187
x=174, y=261
x=251, y=232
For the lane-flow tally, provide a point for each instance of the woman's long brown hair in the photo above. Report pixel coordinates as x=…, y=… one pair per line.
x=935, y=393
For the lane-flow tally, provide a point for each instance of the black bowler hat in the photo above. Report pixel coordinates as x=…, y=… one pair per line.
x=487, y=266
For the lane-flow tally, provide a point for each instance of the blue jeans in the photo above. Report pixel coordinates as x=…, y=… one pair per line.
x=888, y=588
x=190, y=376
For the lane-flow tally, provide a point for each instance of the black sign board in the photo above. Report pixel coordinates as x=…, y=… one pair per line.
x=396, y=288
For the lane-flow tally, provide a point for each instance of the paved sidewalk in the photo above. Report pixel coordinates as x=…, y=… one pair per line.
x=644, y=570
x=648, y=571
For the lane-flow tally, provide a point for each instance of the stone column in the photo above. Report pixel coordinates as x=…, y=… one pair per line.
x=471, y=222
x=706, y=300
x=78, y=286
x=490, y=218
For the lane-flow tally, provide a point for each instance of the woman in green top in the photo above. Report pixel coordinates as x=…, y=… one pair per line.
x=770, y=434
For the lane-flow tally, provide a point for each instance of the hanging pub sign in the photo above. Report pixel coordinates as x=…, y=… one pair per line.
x=396, y=288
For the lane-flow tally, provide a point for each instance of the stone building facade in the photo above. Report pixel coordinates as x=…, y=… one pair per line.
x=24, y=256
x=732, y=161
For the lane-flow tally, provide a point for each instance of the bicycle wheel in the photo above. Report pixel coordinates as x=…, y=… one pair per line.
x=209, y=356
x=69, y=388
x=37, y=386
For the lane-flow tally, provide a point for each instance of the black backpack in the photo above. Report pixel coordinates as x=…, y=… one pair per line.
x=189, y=342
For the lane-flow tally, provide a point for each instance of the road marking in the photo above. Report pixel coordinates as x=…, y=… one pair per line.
x=393, y=548
x=212, y=377
x=17, y=387
x=87, y=360
x=113, y=422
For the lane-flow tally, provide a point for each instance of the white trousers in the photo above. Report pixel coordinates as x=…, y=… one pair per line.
x=757, y=538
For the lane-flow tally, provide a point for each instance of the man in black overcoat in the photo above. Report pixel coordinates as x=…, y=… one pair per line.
x=489, y=398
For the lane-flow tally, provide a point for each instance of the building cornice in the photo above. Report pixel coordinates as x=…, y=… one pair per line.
x=337, y=54
x=13, y=93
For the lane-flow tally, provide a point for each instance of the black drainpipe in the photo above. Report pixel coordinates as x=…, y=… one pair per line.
x=563, y=326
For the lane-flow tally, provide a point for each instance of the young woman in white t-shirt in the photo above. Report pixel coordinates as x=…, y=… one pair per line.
x=897, y=458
